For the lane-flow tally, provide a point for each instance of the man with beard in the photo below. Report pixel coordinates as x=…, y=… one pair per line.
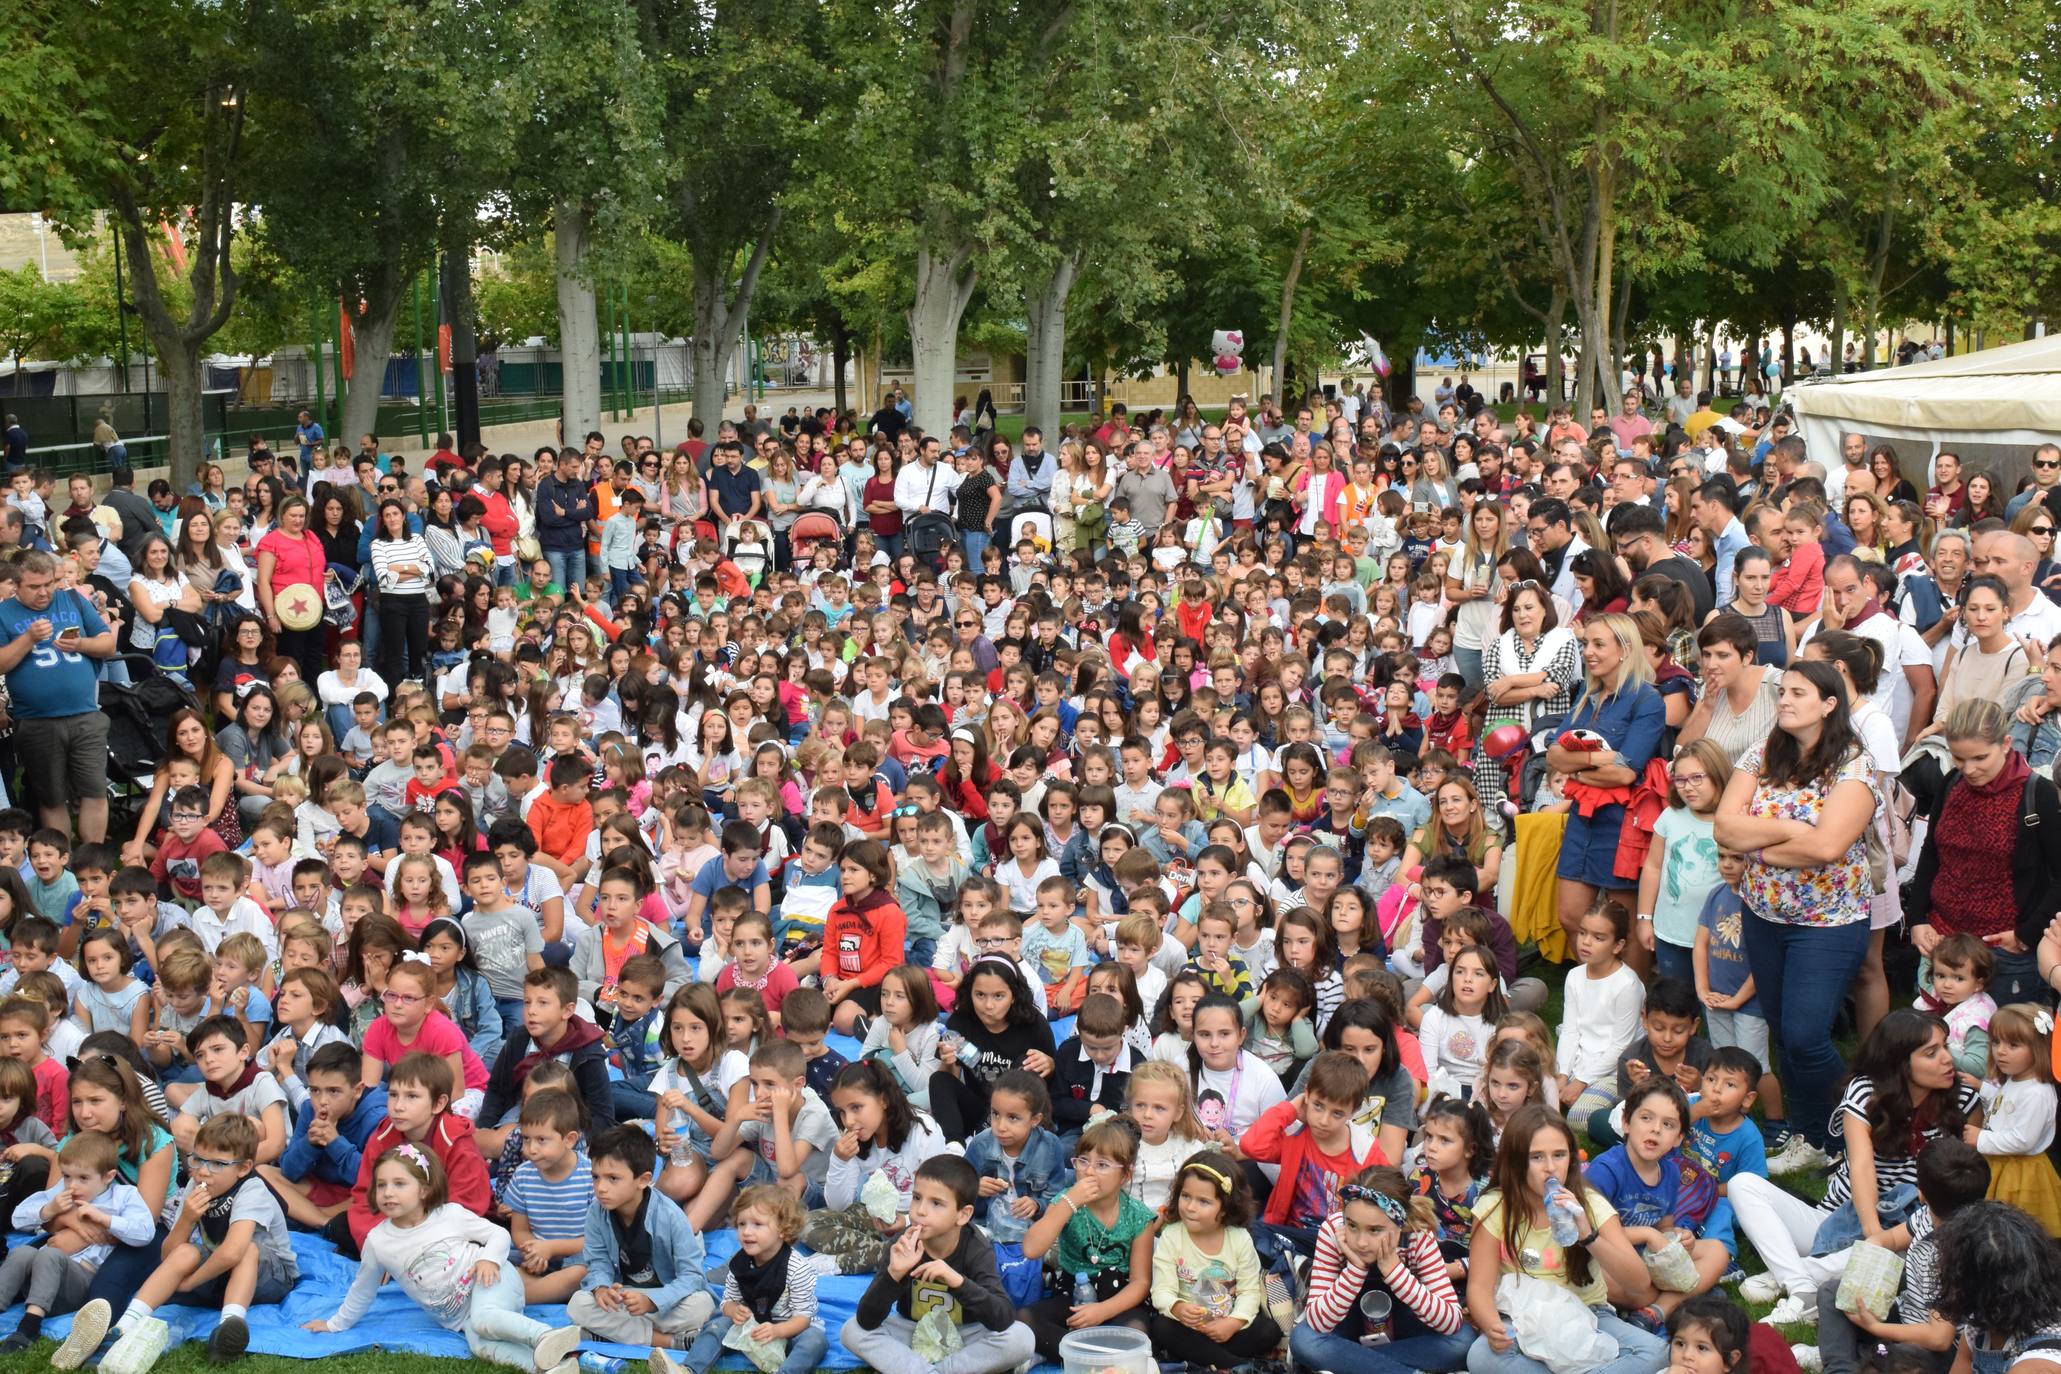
x=1640, y=536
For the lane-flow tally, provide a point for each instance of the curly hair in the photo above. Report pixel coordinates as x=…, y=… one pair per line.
x=1999, y=1271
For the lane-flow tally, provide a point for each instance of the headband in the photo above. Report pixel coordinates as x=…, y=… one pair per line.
x=1210, y=1171
x=413, y=1156
x=1395, y=1211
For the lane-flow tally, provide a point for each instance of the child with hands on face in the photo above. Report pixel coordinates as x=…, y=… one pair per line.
x=775, y=1130
x=941, y=1261
x=1021, y=1165
x=1382, y=1239
x=880, y=1133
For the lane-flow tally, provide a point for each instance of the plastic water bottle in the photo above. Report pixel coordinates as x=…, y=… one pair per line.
x=1083, y=1290
x=594, y=1362
x=1565, y=1214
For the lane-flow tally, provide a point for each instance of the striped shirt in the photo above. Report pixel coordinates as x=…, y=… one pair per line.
x=387, y=554
x=1419, y=1281
x=798, y=1300
x=555, y=1211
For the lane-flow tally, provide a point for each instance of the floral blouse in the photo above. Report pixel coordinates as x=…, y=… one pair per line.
x=1834, y=894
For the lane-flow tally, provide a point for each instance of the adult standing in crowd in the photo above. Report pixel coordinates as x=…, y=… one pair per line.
x=565, y=507
x=1145, y=484
x=1618, y=703
x=291, y=556
x=1799, y=806
x=47, y=636
x=1960, y=886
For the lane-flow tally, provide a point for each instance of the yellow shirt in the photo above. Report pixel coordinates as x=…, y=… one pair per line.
x=1538, y=1254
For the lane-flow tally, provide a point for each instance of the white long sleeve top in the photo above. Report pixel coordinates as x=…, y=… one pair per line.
x=1600, y=1018
x=432, y=1262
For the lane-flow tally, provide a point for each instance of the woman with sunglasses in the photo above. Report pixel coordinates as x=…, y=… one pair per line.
x=2036, y=521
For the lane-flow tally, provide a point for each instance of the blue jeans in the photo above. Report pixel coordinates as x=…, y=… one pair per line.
x=1673, y=961
x=921, y=951
x=618, y=585
x=511, y=1017
x=1800, y=1010
x=339, y=719
x=567, y=565
x=804, y=1352
x=975, y=542
x=2016, y=978
x=1467, y=663
x=1638, y=1352
x=632, y=1103
x=1313, y=1349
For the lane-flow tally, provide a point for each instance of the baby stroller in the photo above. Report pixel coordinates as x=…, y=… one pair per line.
x=136, y=713
x=1032, y=521
x=809, y=529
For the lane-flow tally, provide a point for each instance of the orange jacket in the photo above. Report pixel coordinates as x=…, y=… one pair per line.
x=562, y=829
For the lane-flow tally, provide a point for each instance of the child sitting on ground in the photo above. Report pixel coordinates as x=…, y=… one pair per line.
x=768, y=1289
x=643, y=1284
x=547, y=1198
x=228, y=1250
x=56, y=1275
x=942, y=1262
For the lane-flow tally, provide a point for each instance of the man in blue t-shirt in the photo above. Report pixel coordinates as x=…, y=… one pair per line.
x=46, y=636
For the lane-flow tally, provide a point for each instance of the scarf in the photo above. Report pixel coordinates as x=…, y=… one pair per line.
x=759, y=1286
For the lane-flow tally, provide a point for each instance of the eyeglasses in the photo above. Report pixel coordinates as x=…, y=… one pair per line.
x=1681, y=778
x=398, y=999
x=209, y=1166
x=993, y=941
x=1094, y=1164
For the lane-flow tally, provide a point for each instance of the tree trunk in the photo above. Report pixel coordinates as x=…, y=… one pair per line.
x=579, y=332
x=372, y=345
x=1181, y=379
x=1788, y=352
x=1044, y=353
x=1835, y=346
x=179, y=366
x=1302, y=247
x=1556, y=344
x=944, y=286
x=458, y=312
x=840, y=358
x=719, y=317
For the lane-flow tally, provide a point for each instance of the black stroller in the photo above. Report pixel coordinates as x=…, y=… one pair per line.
x=136, y=713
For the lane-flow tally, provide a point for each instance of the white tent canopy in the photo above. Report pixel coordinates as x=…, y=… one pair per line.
x=1991, y=407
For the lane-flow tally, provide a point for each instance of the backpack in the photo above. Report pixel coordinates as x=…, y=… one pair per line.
x=1922, y=594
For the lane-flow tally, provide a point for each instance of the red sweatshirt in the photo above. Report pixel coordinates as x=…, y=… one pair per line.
x=866, y=940
x=1308, y=1189
x=450, y=1140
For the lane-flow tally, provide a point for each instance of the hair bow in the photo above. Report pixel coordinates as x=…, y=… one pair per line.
x=2043, y=1021
x=414, y=956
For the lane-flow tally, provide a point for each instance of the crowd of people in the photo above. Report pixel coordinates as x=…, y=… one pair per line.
x=1118, y=883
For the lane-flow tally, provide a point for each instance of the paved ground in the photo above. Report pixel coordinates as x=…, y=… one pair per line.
x=669, y=426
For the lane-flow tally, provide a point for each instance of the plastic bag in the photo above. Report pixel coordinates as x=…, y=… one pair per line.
x=767, y=1355
x=1550, y=1325
x=1873, y=1276
x=1670, y=1267
x=880, y=1197
x=936, y=1336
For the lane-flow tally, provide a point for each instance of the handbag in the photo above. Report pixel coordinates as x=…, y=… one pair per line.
x=528, y=549
x=930, y=532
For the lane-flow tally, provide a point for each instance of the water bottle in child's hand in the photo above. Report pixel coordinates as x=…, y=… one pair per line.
x=1564, y=1213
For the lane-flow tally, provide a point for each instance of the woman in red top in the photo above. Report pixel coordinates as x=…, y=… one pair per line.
x=882, y=514
x=291, y=555
x=864, y=936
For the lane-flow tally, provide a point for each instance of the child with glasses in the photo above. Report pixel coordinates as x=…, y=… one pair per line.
x=1095, y=1229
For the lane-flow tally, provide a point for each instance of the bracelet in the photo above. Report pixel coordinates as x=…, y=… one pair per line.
x=1646, y=916
x=1071, y=1205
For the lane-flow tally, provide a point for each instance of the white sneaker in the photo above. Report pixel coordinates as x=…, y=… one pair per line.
x=89, y=1326
x=1808, y=1359
x=555, y=1347
x=1760, y=1288
x=1792, y=1309
x=1797, y=1157
x=662, y=1362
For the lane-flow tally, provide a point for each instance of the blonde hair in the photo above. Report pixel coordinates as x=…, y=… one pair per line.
x=2019, y=1024
x=1631, y=645
x=438, y=900
x=781, y=1207
x=1159, y=1073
